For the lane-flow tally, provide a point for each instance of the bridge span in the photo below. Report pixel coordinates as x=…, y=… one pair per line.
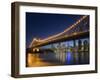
x=79, y=30
x=60, y=54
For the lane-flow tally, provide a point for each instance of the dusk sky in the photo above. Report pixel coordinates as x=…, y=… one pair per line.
x=42, y=25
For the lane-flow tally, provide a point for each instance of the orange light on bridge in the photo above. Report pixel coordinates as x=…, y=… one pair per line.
x=54, y=37
x=72, y=26
x=36, y=49
x=75, y=33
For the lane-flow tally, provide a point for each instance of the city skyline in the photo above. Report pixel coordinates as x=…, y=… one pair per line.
x=63, y=37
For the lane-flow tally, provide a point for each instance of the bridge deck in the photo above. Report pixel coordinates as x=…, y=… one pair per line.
x=74, y=36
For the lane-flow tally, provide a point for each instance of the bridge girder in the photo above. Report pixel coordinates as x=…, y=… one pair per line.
x=65, y=38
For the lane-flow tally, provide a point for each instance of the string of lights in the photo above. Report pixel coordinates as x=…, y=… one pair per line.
x=41, y=41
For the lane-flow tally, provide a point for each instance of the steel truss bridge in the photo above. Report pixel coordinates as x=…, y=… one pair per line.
x=78, y=30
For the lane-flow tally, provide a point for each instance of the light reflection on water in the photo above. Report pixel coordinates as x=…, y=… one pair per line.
x=77, y=58
x=46, y=59
x=73, y=52
x=68, y=58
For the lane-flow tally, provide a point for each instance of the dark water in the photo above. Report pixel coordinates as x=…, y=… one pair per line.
x=77, y=58
x=52, y=59
x=68, y=58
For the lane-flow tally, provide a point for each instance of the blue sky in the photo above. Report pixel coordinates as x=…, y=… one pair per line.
x=42, y=25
